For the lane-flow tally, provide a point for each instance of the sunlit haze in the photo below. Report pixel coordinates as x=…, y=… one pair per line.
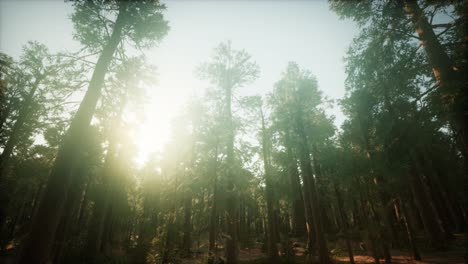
x=233, y=131
x=273, y=32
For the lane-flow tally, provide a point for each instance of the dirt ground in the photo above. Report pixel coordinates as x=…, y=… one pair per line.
x=453, y=255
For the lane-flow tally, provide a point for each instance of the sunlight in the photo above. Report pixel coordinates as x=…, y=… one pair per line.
x=232, y=131
x=164, y=102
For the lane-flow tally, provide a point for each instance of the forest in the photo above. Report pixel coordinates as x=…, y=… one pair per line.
x=268, y=177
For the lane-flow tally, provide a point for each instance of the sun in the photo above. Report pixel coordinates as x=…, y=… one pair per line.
x=164, y=101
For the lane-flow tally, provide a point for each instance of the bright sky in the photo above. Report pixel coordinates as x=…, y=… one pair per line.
x=273, y=32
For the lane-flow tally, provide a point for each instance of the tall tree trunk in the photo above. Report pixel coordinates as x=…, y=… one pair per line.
x=298, y=210
x=344, y=222
x=18, y=126
x=168, y=246
x=187, y=237
x=305, y=191
x=213, y=213
x=5, y=185
x=383, y=230
x=449, y=78
x=429, y=214
x=82, y=209
x=309, y=182
x=437, y=191
x=409, y=232
x=232, y=241
x=271, y=243
x=318, y=176
x=102, y=212
x=310, y=224
x=37, y=247
x=70, y=212
x=364, y=215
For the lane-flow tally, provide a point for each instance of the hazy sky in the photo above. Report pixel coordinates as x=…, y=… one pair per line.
x=273, y=32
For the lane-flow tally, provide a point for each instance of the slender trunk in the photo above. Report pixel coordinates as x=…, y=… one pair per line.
x=366, y=223
x=271, y=243
x=309, y=182
x=305, y=194
x=213, y=214
x=18, y=215
x=449, y=202
x=18, y=126
x=310, y=224
x=344, y=222
x=232, y=241
x=318, y=178
x=429, y=214
x=37, y=247
x=82, y=210
x=168, y=246
x=444, y=207
x=11, y=143
x=449, y=78
x=414, y=213
x=243, y=239
x=383, y=230
x=187, y=238
x=96, y=236
x=298, y=210
x=409, y=232
x=69, y=213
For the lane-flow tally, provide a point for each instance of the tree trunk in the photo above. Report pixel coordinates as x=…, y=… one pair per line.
x=70, y=212
x=11, y=143
x=449, y=78
x=101, y=210
x=18, y=126
x=366, y=223
x=437, y=191
x=429, y=214
x=187, y=238
x=409, y=232
x=344, y=222
x=213, y=214
x=232, y=241
x=383, y=230
x=309, y=182
x=37, y=247
x=271, y=242
x=82, y=209
x=310, y=224
x=298, y=210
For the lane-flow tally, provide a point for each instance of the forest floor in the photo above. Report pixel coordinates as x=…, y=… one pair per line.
x=454, y=254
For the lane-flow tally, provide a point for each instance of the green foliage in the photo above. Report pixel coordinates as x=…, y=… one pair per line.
x=229, y=68
x=144, y=23
x=251, y=148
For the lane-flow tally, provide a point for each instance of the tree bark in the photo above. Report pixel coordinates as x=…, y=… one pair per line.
x=232, y=241
x=429, y=214
x=18, y=126
x=213, y=214
x=37, y=247
x=187, y=238
x=409, y=232
x=70, y=212
x=309, y=182
x=9, y=147
x=298, y=210
x=271, y=243
x=344, y=222
x=449, y=78
x=383, y=230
